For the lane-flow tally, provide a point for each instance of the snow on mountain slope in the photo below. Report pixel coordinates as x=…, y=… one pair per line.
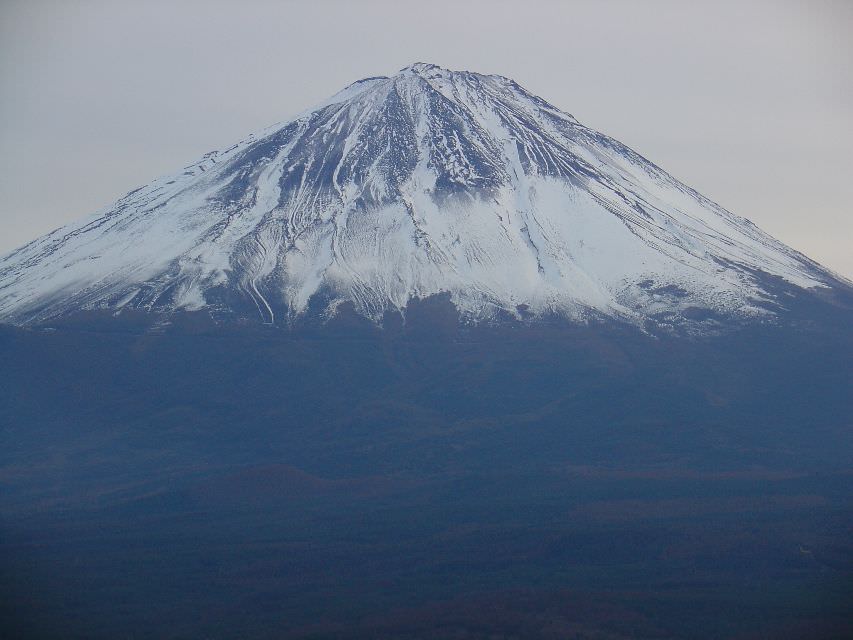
x=425, y=182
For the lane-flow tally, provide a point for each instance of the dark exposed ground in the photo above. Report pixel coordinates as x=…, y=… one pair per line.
x=431, y=481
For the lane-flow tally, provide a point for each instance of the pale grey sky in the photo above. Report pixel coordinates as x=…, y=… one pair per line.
x=751, y=103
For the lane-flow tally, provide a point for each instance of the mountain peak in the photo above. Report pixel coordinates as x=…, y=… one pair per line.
x=394, y=189
x=423, y=67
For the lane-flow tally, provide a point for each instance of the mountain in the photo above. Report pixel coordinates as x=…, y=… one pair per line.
x=397, y=188
x=672, y=462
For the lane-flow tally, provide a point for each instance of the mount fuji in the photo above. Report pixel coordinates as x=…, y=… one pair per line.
x=397, y=188
x=430, y=360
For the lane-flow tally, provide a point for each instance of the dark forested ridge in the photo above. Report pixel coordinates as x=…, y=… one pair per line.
x=425, y=480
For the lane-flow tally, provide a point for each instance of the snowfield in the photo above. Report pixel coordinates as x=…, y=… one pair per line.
x=425, y=182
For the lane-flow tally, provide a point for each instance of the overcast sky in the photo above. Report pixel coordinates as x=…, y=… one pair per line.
x=751, y=103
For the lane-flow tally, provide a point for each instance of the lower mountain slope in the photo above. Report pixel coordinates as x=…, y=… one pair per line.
x=428, y=480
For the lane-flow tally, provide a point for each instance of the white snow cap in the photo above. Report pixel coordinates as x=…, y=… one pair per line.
x=399, y=187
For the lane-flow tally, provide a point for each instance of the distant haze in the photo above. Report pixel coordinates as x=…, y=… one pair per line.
x=749, y=103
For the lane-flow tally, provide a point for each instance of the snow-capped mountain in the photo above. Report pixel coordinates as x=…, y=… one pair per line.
x=401, y=187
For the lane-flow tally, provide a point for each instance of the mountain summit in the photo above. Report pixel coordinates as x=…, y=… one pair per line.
x=430, y=181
